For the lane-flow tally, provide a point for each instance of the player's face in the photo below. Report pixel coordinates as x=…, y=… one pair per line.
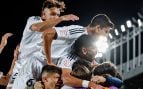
x=105, y=31
x=100, y=31
x=91, y=52
x=49, y=13
x=53, y=79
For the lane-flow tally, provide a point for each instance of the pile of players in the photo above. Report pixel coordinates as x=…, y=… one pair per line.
x=51, y=57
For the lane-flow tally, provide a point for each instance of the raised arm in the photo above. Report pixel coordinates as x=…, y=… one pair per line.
x=42, y=26
x=4, y=41
x=75, y=82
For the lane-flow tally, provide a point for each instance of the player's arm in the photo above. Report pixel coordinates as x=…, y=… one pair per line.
x=16, y=53
x=42, y=26
x=75, y=82
x=4, y=40
x=114, y=81
x=60, y=33
x=50, y=33
x=48, y=37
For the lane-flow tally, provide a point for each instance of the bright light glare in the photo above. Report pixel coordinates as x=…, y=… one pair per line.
x=116, y=32
x=98, y=55
x=102, y=38
x=139, y=22
x=110, y=36
x=101, y=44
x=129, y=23
x=123, y=28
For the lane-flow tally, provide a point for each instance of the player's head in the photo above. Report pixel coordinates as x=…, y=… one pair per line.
x=81, y=69
x=52, y=9
x=84, y=47
x=100, y=24
x=50, y=75
x=106, y=68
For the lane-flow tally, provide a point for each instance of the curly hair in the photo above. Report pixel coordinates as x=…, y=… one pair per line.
x=54, y=3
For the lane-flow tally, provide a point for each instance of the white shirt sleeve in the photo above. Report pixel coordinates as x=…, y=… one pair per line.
x=70, y=32
x=31, y=20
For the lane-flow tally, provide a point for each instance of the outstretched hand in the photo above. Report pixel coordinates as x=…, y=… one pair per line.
x=69, y=17
x=4, y=39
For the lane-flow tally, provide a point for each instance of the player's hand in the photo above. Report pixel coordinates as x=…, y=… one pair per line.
x=92, y=85
x=98, y=79
x=4, y=39
x=8, y=34
x=4, y=80
x=38, y=85
x=50, y=63
x=69, y=17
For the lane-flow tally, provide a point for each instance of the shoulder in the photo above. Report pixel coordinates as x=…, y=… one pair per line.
x=71, y=27
x=75, y=27
x=34, y=18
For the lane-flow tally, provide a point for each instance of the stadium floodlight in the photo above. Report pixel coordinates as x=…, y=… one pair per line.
x=129, y=23
x=116, y=32
x=111, y=37
x=123, y=29
x=139, y=22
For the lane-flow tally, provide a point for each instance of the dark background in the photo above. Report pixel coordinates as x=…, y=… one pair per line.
x=14, y=14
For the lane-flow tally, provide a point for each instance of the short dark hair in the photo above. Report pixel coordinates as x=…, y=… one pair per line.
x=82, y=62
x=51, y=69
x=55, y=3
x=106, y=68
x=102, y=20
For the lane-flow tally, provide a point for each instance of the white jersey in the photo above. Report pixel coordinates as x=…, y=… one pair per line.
x=31, y=40
x=67, y=61
x=30, y=72
x=30, y=43
x=66, y=87
x=65, y=37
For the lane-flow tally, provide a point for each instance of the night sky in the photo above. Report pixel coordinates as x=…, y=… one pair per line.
x=14, y=14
